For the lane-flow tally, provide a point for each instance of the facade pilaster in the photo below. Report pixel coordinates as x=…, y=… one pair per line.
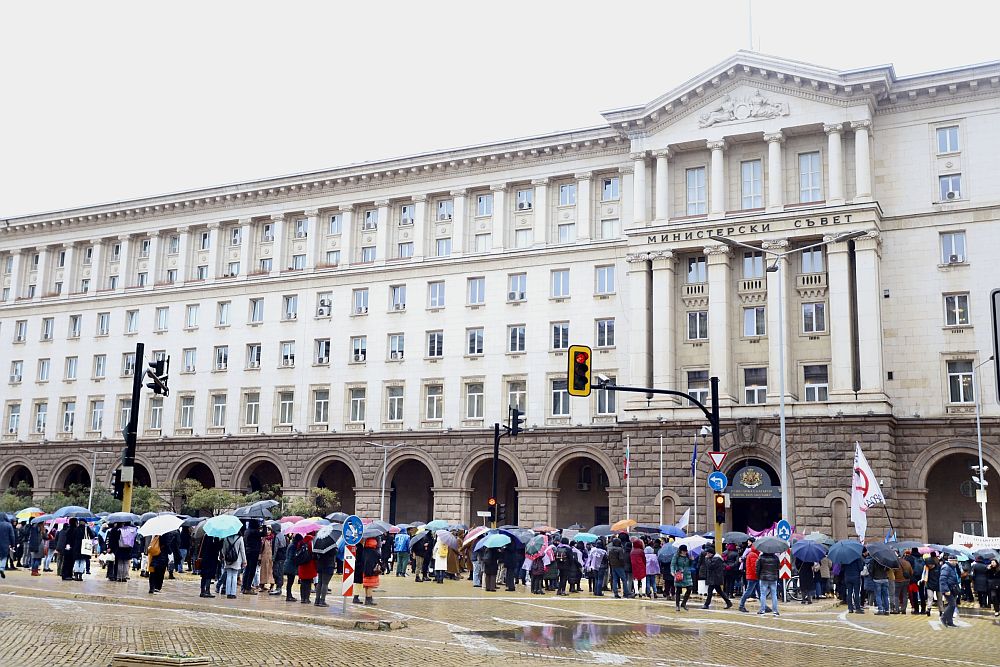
x=499, y=231
x=16, y=278
x=98, y=265
x=419, y=225
x=862, y=160
x=867, y=256
x=775, y=171
x=183, y=254
x=246, y=246
x=536, y=505
x=720, y=349
x=839, y=319
x=778, y=317
x=458, y=222
x=153, y=262
x=125, y=278
x=662, y=210
x=541, y=231
x=664, y=312
x=639, y=274
x=584, y=207
x=717, y=183
x=312, y=237
x=213, y=251
x=280, y=241
x=382, y=231
x=347, y=240
x=835, y=157
x=640, y=213
x=70, y=271
x=42, y=272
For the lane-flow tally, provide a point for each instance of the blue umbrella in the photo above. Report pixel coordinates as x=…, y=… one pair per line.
x=672, y=531
x=808, y=551
x=437, y=524
x=495, y=540
x=223, y=525
x=121, y=517
x=666, y=553
x=71, y=509
x=586, y=538
x=42, y=519
x=845, y=551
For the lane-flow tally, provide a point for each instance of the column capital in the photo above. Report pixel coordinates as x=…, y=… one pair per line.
x=498, y=187
x=774, y=137
x=245, y=221
x=718, y=250
x=346, y=208
x=663, y=259
x=626, y=169
x=459, y=193
x=311, y=212
x=124, y=237
x=72, y=244
x=16, y=251
x=155, y=234
x=662, y=152
x=861, y=125
x=41, y=248
x=278, y=217
x=381, y=202
x=833, y=128
x=419, y=198
x=832, y=245
x=583, y=175
x=872, y=240
x=639, y=156
x=638, y=257
x=774, y=244
x=540, y=181
x=719, y=145
x=214, y=225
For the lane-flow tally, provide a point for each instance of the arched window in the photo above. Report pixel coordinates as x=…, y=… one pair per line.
x=585, y=475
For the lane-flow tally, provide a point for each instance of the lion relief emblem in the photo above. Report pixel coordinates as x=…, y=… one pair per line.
x=751, y=478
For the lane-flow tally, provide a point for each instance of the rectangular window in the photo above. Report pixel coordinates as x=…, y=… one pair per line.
x=41, y=416
x=560, y=398
x=334, y=225
x=321, y=406
x=251, y=416
x=44, y=366
x=16, y=371
x=446, y=209
x=359, y=349
x=953, y=247
x=360, y=301
x=606, y=332
x=566, y=232
x=394, y=404
x=49, y=326
x=517, y=286
x=190, y=360
x=85, y=285
x=69, y=416
x=560, y=335
x=609, y=228
x=435, y=294
x=301, y=228
x=222, y=313
x=810, y=177
x=75, y=325
x=605, y=280
x=357, y=405
x=100, y=366
x=171, y=276
x=332, y=257
x=474, y=337
x=525, y=199
x=88, y=257
x=695, y=180
x=523, y=238
x=397, y=346
x=321, y=351
x=950, y=186
x=265, y=265
x=112, y=285
x=370, y=220
x=753, y=265
x=298, y=262
x=947, y=139
x=96, y=415
x=816, y=383
x=515, y=338
x=131, y=321
x=14, y=418
x=812, y=260
x=435, y=344
x=442, y=247
x=206, y=240
x=141, y=280
x=606, y=403
x=405, y=250
x=287, y=353
x=755, y=385
x=219, y=410
x=368, y=254
x=103, y=324
x=286, y=407
x=814, y=317
x=289, y=307
x=406, y=212
x=697, y=270
x=484, y=204
x=753, y=321
x=201, y=272
x=221, y=355
x=560, y=283
x=61, y=257
x=191, y=316
x=476, y=291
x=610, y=190
x=256, y=314
x=567, y=194
x=397, y=297
x=235, y=236
x=21, y=330
x=173, y=245
x=156, y=414
x=116, y=254
x=162, y=318
x=517, y=395
x=434, y=409
x=124, y=413
x=69, y=372
x=267, y=232
x=474, y=400
x=752, y=191
x=698, y=325
x=960, y=388
x=253, y=355
x=956, y=310
x=484, y=242
x=128, y=364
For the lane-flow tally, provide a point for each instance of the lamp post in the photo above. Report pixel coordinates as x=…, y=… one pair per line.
x=385, y=460
x=979, y=442
x=776, y=268
x=93, y=472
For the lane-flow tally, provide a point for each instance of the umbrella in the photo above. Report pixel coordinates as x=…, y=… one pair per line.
x=223, y=525
x=495, y=540
x=121, y=517
x=666, y=552
x=336, y=517
x=771, y=545
x=601, y=530
x=418, y=537
x=808, y=551
x=987, y=554
x=884, y=554
x=624, y=524
x=326, y=539
x=906, y=545
x=672, y=531
x=372, y=531
x=585, y=537
x=384, y=525
x=735, y=536
x=536, y=544
x=692, y=542
x=293, y=519
x=159, y=525
x=146, y=517
x=646, y=528
x=28, y=513
x=303, y=527
x=448, y=538
x=471, y=536
x=542, y=528
x=69, y=509
x=254, y=511
x=42, y=519
x=394, y=530
x=845, y=551
x=956, y=550
x=192, y=521
x=437, y=524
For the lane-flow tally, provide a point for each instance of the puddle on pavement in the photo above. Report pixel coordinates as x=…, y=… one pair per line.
x=582, y=635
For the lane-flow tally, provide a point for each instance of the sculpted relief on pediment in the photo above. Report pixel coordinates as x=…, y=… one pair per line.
x=732, y=109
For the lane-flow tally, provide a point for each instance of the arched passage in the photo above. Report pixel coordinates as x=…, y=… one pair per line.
x=951, y=498
x=755, y=495
x=482, y=487
x=140, y=475
x=583, y=493
x=200, y=472
x=15, y=475
x=411, y=497
x=260, y=476
x=72, y=474
x=338, y=477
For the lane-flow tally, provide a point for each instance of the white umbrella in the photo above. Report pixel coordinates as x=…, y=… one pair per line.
x=692, y=542
x=158, y=525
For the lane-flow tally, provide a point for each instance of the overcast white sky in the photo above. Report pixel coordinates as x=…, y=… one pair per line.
x=113, y=100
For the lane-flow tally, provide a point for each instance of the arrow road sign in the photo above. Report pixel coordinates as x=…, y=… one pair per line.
x=353, y=528
x=717, y=481
x=784, y=530
x=718, y=458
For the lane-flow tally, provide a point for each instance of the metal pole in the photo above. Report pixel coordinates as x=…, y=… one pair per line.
x=781, y=390
x=131, y=430
x=381, y=503
x=494, y=510
x=661, y=480
x=694, y=490
x=628, y=477
x=979, y=442
x=93, y=471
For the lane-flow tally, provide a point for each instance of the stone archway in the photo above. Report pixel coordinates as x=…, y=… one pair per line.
x=141, y=475
x=260, y=471
x=481, y=485
x=337, y=475
x=199, y=469
x=951, y=498
x=410, y=484
x=14, y=472
x=70, y=473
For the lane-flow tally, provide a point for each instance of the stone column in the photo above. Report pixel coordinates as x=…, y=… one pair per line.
x=153, y=265
x=183, y=254
x=448, y=502
x=213, y=251
x=382, y=231
x=97, y=266
x=640, y=370
x=720, y=352
x=41, y=273
x=664, y=363
x=458, y=222
x=862, y=160
x=640, y=213
x=541, y=212
x=717, y=182
x=347, y=240
x=312, y=237
x=246, y=246
x=124, y=262
x=499, y=232
x=776, y=352
x=662, y=184
x=16, y=280
x=839, y=319
x=420, y=226
x=835, y=158
x=278, y=246
x=69, y=270
x=584, y=207
x=775, y=172
x=869, y=301
x=536, y=505
x=366, y=501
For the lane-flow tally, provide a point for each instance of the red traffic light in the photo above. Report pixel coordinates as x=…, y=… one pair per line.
x=491, y=502
x=582, y=357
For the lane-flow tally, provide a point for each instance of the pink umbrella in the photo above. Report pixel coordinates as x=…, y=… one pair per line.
x=394, y=530
x=925, y=550
x=290, y=519
x=365, y=522
x=303, y=527
x=471, y=536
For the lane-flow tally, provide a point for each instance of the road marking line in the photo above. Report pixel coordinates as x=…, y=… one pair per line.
x=602, y=658
x=578, y=613
x=475, y=644
x=755, y=626
x=526, y=624
x=843, y=618
x=962, y=624
x=935, y=625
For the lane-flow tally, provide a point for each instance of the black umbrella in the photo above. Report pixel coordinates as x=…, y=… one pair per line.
x=371, y=530
x=193, y=522
x=326, y=539
x=735, y=536
x=254, y=511
x=771, y=545
x=883, y=554
x=338, y=517
x=645, y=528
x=601, y=530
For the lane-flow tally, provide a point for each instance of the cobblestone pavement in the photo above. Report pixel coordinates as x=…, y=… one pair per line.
x=47, y=622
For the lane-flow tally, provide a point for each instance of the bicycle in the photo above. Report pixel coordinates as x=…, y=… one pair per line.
x=793, y=590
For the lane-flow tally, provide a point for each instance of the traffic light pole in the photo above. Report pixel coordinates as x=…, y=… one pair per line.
x=496, y=461
x=131, y=429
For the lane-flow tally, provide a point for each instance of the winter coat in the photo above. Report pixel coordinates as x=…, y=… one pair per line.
x=307, y=571
x=290, y=569
x=852, y=571
x=681, y=564
x=326, y=563
x=627, y=560
x=616, y=556
x=878, y=571
x=824, y=567
x=980, y=576
x=948, y=578
x=652, y=564
x=807, y=579
x=401, y=543
x=241, y=552
x=35, y=540
x=767, y=567
x=597, y=559
x=370, y=559
x=703, y=564
x=638, y=559
x=715, y=571
x=933, y=573
x=252, y=541
x=731, y=559
x=751, y=564
x=907, y=570
x=209, y=554
x=7, y=536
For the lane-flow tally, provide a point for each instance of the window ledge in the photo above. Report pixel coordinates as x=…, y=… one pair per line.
x=558, y=299
x=474, y=357
x=956, y=328
x=558, y=421
x=951, y=265
x=319, y=428
x=520, y=353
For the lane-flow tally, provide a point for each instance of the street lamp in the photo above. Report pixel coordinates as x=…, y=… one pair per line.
x=385, y=460
x=93, y=472
x=981, y=470
x=776, y=268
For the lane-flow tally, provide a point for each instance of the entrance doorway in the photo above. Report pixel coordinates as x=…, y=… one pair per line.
x=755, y=495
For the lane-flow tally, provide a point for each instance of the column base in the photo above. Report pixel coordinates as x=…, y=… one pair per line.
x=774, y=209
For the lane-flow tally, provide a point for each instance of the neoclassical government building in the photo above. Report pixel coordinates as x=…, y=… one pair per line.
x=409, y=302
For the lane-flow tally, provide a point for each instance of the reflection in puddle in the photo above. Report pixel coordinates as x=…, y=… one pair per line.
x=581, y=635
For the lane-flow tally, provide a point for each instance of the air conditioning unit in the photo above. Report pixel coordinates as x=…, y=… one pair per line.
x=399, y=306
x=953, y=194
x=322, y=311
x=323, y=360
x=222, y=367
x=12, y=430
x=360, y=310
x=301, y=235
x=524, y=206
x=369, y=226
x=583, y=486
x=19, y=339
x=444, y=216
x=15, y=378
x=955, y=259
x=359, y=357
x=394, y=355
x=253, y=364
x=405, y=222
x=324, y=302
x=288, y=362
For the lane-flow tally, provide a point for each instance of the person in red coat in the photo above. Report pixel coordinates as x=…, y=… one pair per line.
x=638, y=559
x=307, y=567
x=753, y=586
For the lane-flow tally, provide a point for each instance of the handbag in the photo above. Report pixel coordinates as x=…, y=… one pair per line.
x=87, y=548
x=678, y=577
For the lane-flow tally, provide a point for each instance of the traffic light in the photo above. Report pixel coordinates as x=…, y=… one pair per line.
x=516, y=420
x=491, y=502
x=117, y=488
x=157, y=372
x=580, y=357
x=502, y=513
x=720, y=508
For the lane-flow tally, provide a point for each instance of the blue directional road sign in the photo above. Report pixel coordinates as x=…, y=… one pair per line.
x=353, y=528
x=718, y=481
x=784, y=530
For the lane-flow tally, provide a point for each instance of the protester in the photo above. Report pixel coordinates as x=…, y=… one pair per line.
x=823, y=580
x=597, y=564
x=652, y=570
x=35, y=542
x=234, y=558
x=208, y=563
x=510, y=563
x=980, y=581
x=491, y=566
x=537, y=573
x=902, y=575
x=714, y=573
x=290, y=568
x=279, y=549
x=807, y=580
x=69, y=545
x=950, y=587
x=852, y=585
x=371, y=568
x=306, y=567
x=7, y=539
x=767, y=574
x=157, y=565
x=680, y=570
x=932, y=575
x=326, y=565
x=183, y=547
x=401, y=549
x=616, y=560
x=267, y=561
x=731, y=563
x=252, y=542
x=880, y=578
x=753, y=586
x=994, y=581
x=918, y=594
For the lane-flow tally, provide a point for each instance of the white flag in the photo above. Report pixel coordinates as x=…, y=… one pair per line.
x=865, y=492
x=683, y=523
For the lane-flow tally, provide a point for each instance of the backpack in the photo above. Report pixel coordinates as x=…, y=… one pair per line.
x=562, y=553
x=302, y=554
x=231, y=554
